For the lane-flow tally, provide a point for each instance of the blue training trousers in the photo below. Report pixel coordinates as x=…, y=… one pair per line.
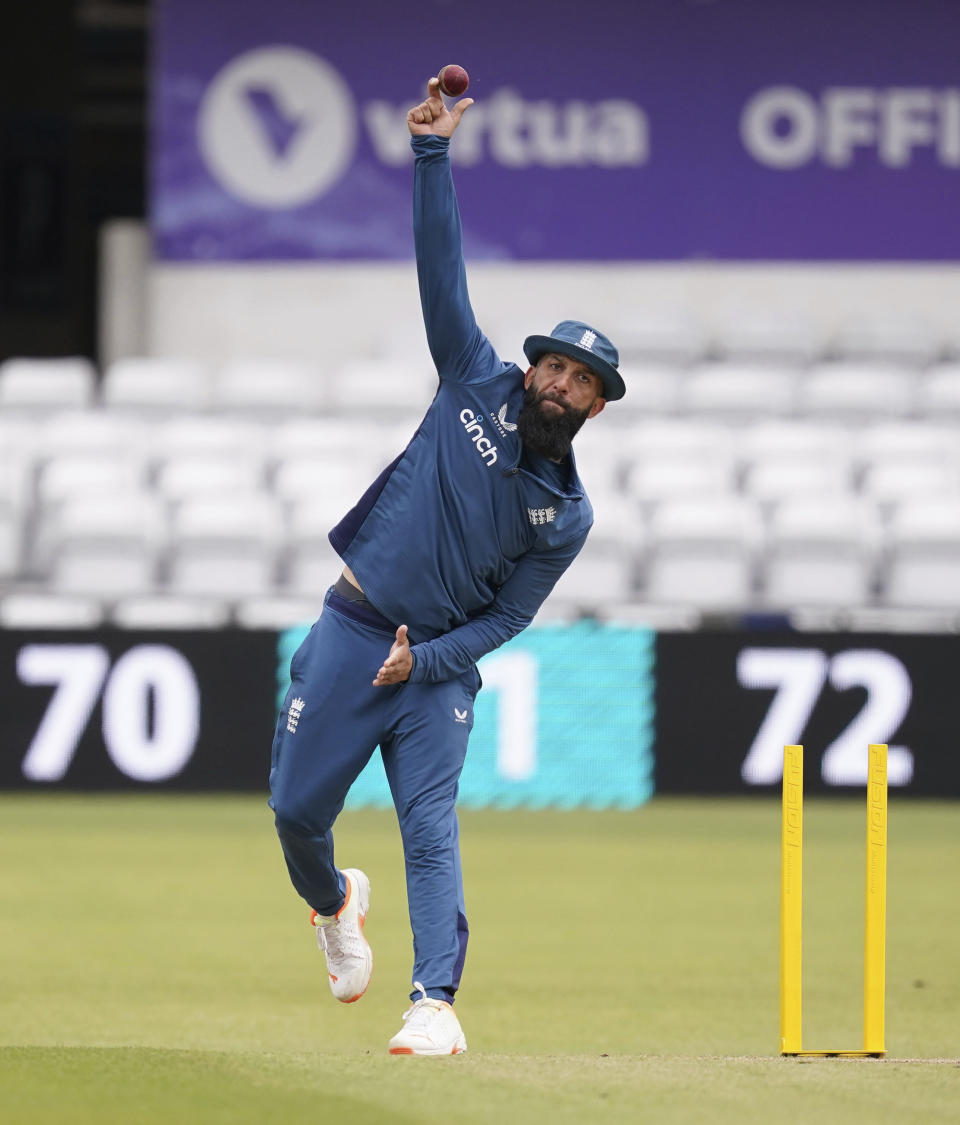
x=331, y=722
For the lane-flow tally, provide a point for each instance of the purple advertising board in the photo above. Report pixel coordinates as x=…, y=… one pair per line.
x=656, y=130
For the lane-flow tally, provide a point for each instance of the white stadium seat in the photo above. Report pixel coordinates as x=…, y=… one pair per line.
x=665, y=335
x=903, y=440
x=11, y=541
x=224, y=545
x=750, y=334
x=108, y=545
x=820, y=551
x=341, y=480
x=652, y=389
x=377, y=443
x=776, y=476
x=277, y=611
x=938, y=393
x=382, y=388
x=200, y=474
x=170, y=611
x=268, y=387
x=16, y=499
x=14, y=506
x=103, y=568
x=41, y=385
x=897, y=480
x=42, y=610
x=202, y=434
x=95, y=518
x=90, y=474
x=923, y=554
x=313, y=437
x=736, y=391
x=18, y=436
x=154, y=386
x=679, y=436
x=702, y=552
x=310, y=570
x=857, y=391
x=601, y=458
x=310, y=564
x=94, y=431
x=617, y=518
x=796, y=437
x=14, y=482
x=653, y=479
x=601, y=573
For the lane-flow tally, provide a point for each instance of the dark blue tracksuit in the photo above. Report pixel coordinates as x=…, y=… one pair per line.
x=460, y=542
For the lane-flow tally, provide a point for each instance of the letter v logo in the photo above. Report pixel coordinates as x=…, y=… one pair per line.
x=502, y=415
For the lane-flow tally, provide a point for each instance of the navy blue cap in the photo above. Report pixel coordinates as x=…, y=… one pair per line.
x=577, y=340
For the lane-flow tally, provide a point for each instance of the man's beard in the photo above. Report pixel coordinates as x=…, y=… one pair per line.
x=549, y=435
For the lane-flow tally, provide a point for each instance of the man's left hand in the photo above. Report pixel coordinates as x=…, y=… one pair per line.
x=399, y=663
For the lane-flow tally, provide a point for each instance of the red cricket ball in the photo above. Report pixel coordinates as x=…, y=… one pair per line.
x=454, y=80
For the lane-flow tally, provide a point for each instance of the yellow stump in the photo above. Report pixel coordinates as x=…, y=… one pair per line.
x=875, y=925
x=791, y=907
x=791, y=902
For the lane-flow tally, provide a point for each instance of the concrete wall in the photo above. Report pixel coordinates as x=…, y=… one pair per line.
x=296, y=312
x=347, y=311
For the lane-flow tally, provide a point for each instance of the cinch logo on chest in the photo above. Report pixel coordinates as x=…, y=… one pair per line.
x=471, y=423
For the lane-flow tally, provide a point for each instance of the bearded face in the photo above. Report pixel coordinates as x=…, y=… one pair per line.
x=547, y=424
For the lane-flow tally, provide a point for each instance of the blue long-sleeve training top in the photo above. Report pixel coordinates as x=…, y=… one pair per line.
x=455, y=539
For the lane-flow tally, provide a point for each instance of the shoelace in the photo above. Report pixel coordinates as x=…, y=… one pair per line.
x=421, y=1012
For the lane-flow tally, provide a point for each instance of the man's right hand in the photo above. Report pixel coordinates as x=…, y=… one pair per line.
x=432, y=118
x=399, y=663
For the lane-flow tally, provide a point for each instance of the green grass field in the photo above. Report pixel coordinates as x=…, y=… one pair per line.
x=155, y=966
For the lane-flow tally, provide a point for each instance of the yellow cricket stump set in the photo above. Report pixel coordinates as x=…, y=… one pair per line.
x=791, y=907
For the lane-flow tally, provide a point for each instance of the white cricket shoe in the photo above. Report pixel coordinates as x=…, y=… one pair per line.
x=429, y=1028
x=348, y=953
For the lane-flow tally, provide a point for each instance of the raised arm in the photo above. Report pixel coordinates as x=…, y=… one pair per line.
x=456, y=343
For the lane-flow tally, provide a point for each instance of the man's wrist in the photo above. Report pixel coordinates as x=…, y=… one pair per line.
x=428, y=144
x=413, y=678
